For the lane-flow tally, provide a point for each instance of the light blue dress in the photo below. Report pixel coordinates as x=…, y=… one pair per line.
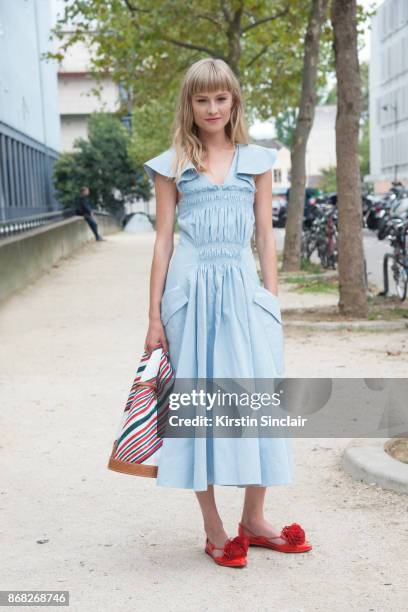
x=219, y=320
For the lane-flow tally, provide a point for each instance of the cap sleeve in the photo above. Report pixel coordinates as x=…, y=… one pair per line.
x=255, y=159
x=161, y=164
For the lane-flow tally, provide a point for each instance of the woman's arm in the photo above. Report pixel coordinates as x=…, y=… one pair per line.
x=166, y=197
x=264, y=234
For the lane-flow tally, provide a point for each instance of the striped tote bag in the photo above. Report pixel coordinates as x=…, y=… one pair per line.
x=136, y=448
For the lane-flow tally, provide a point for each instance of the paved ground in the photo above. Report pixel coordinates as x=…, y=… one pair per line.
x=69, y=347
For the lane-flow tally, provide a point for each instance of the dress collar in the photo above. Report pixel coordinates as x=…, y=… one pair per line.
x=190, y=169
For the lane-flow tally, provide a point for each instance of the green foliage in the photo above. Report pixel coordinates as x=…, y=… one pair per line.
x=315, y=285
x=328, y=182
x=145, y=141
x=364, y=149
x=311, y=267
x=285, y=124
x=147, y=46
x=103, y=163
x=68, y=178
x=364, y=142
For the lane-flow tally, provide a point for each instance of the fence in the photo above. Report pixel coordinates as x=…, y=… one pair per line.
x=25, y=175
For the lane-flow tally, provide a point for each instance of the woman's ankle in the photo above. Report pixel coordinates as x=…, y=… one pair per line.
x=250, y=520
x=216, y=533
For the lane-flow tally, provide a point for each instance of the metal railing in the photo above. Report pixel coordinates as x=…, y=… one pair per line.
x=24, y=224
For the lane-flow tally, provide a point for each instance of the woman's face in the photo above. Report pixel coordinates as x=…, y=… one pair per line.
x=212, y=111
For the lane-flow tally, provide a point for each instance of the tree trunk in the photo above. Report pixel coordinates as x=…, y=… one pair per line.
x=353, y=299
x=291, y=252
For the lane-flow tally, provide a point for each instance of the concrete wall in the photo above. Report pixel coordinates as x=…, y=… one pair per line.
x=25, y=258
x=73, y=127
x=76, y=95
x=77, y=102
x=321, y=146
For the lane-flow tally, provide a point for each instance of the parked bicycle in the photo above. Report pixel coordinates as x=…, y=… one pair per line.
x=320, y=233
x=397, y=261
x=394, y=205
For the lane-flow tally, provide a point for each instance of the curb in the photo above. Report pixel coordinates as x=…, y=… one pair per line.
x=366, y=460
x=378, y=325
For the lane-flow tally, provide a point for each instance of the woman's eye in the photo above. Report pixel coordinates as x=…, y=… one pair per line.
x=218, y=99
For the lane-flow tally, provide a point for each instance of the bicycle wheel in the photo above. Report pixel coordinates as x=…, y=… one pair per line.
x=332, y=255
x=322, y=253
x=400, y=279
x=303, y=247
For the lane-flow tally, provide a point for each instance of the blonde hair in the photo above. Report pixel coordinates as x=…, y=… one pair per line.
x=206, y=75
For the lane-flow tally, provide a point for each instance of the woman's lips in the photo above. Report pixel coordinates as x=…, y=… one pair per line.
x=213, y=119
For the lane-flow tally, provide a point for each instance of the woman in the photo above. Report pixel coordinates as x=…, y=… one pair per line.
x=214, y=317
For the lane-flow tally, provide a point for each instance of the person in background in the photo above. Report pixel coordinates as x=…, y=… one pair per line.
x=83, y=207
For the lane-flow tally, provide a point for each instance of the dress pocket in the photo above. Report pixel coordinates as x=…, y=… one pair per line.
x=269, y=302
x=172, y=300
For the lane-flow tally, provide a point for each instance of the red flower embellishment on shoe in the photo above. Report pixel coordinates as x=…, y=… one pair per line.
x=294, y=534
x=237, y=547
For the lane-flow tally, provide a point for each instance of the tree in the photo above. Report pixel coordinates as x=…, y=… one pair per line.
x=68, y=177
x=353, y=299
x=291, y=251
x=103, y=163
x=147, y=46
x=146, y=140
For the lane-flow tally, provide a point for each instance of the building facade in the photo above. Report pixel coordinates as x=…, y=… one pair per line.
x=77, y=97
x=321, y=145
x=320, y=150
x=79, y=93
x=281, y=167
x=389, y=95
x=29, y=122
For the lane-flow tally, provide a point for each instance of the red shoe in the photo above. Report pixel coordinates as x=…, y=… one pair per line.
x=293, y=534
x=235, y=552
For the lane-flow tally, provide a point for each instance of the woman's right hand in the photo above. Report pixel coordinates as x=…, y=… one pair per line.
x=155, y=335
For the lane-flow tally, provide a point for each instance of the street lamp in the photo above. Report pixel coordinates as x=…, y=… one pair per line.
x=395, y=109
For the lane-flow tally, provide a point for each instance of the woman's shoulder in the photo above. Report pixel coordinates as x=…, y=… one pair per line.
x=255, y=159
x=161, y=163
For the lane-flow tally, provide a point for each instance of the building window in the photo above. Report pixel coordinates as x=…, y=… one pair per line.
x=277, y=175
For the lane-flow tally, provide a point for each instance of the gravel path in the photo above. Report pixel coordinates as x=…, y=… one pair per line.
x=69, y=347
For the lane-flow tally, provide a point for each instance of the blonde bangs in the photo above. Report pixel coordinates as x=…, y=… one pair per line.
x=208, y=78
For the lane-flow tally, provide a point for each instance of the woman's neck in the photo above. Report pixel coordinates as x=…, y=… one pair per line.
x=215, y=141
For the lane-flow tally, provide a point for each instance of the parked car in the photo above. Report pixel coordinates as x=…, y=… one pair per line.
x=312, y=198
